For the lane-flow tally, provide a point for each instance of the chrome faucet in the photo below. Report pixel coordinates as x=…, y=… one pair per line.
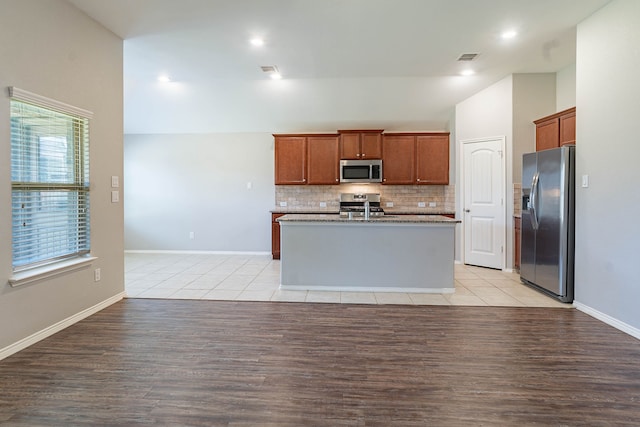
x=367, y=210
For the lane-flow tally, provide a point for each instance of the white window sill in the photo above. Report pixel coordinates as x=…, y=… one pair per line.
x=51, y=270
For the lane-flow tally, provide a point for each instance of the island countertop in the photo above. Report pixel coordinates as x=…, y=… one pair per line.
x=401, y=219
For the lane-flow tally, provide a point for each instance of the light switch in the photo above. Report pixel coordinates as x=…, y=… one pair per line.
x=115, y=196
x=249, y=185
x=115, y=181
x=585, y=181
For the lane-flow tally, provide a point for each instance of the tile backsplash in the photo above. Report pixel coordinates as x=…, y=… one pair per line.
x=517, y=195
x=403, y=197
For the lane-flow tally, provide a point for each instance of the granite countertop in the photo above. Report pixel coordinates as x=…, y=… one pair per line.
x=414, y=219
x=417, y=211
x=388, y=211
x=317, y=211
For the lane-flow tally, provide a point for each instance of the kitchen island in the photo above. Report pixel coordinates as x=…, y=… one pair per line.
x=406, y=253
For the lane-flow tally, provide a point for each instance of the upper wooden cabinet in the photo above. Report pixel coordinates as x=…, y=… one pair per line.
x=398, y=165
x=360, y=144
x=415, y=158
x=556, y=130
x=432, y=159
x=290, y=159
x=302, y=159
x=407, y=158
x=568, y=128
x=322, y=160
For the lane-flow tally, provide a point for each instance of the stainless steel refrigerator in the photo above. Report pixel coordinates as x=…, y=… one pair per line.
x=547, y=226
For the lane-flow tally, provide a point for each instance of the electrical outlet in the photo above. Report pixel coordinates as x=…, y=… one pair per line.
x=115, y=181
x=192, y=235
x=432, y=204
x=323, y=204
x=115, y=196
x=389, y=204
x=96, y=275
x=421, y=204
x=283, y=204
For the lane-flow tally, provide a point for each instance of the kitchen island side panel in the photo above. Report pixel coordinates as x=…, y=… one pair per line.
x=366, y=256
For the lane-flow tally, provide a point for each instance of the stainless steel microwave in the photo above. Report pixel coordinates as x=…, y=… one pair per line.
x=360, y=171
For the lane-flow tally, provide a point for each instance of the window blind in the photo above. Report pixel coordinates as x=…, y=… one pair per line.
x=49, y=180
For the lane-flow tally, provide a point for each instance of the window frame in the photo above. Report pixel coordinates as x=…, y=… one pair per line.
x=80, y=185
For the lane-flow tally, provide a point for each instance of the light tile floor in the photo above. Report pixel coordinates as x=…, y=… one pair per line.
x=257, y=278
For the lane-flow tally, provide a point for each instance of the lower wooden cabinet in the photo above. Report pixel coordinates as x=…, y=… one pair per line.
x=516, y=243
x=275, y=235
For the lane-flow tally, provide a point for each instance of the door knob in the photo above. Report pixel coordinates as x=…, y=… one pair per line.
x=467, y=210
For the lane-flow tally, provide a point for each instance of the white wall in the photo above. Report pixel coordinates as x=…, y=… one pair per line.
x=566, y=88
x=177, y=184
x=534, y=96
x=507, y=109
x=607, y=132
x=486, y=114
x=52, y=49
x=291, y=105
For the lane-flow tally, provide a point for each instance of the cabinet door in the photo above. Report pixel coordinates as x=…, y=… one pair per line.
x=350, y=146
x=275, y=236
x=323, y=160
x=432, y=159
x=568, y=129
x=371, y=146
x=398, y=159
x=547, y=134
x=290, y=160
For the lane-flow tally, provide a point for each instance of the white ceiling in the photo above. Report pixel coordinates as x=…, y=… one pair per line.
x=324, y=48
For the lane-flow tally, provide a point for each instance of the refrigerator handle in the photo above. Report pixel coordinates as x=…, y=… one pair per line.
x=534, y=201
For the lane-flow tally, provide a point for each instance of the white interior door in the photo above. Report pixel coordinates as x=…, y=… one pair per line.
x=484, y=210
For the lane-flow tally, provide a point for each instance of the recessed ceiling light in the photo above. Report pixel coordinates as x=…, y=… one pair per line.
x=164, y=78
x=467, y=72
x=509, y=34
x=276, y=76
x=257, y=42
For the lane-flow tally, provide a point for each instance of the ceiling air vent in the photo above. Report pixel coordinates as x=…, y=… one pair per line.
x=467, y=57
x=269, y=68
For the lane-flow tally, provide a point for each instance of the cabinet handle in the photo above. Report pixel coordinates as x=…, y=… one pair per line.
x=418, y=180
x=358, y=154
x=363, y=155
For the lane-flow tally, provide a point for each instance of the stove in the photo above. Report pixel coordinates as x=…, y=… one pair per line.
x=353, y=203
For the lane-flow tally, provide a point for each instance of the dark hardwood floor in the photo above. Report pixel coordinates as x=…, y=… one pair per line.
x=215, y=363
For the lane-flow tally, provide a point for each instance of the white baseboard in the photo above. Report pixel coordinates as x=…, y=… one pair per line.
x=47, y=332
x=634, y=332
x=368, y=289
x=135, y=251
